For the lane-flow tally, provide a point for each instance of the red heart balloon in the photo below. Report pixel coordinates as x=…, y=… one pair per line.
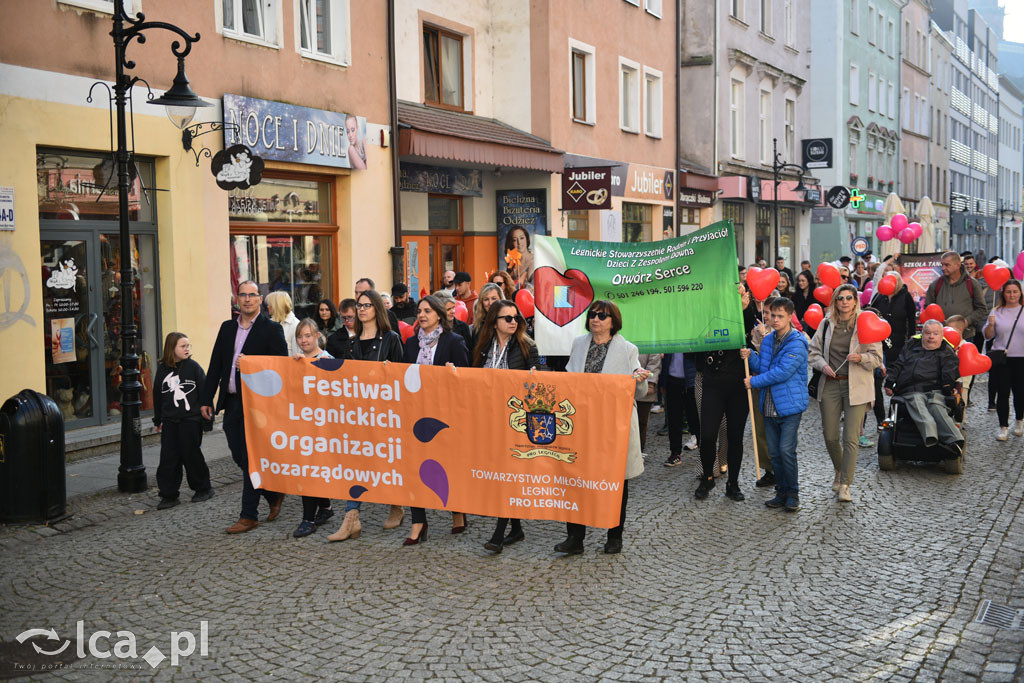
x=461, y=312
x=972, y=362
x=814, y=315
x=887, y=285
x=762, y=282
x=996, y=276
x=932, y=312
x=823, y=294
x=952, y=336
x=829, y=275
x=871, y=328
x=524, y=301
x=561, y=298
x=405, y=329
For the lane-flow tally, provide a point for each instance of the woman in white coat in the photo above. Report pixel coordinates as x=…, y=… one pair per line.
x=605, y=351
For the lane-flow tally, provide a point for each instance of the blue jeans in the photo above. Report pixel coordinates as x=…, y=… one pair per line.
x=781, y=435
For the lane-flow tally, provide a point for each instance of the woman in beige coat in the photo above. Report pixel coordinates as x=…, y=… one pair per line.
x=605, y=351
x=846, y=388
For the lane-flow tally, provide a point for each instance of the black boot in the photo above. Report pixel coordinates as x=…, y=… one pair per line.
x=732, y=490
x=516, y=534
x=613, y=546
x=572, y=545
x=705, y=485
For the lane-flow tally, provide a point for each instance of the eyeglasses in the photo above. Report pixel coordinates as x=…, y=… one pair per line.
x=509, y=318
x=600, y=315
x=845, y=298
x=348, y=317
x=363, y=307
x=247, y=295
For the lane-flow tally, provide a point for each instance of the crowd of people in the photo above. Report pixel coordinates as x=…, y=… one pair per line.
x=709, y=395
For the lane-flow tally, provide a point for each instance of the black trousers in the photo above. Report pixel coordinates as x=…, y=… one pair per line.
x=419, y=515
x=580, y=530
x=234, y=431
x=1009, y=379
x=181, y=446
x=499, y=529
x=728, y=398
x=310, y=506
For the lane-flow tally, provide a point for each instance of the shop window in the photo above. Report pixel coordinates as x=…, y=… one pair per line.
x=323, y=29
x=763, y=233
x=578, y=223
x=442, y=68
x=733, y=211
x=75, y=186
x=636, y=222
x=282, y=238
x=787, y=235
x=254, y=20
x=444, y=213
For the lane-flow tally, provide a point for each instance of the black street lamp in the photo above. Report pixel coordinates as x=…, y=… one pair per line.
x=181, y=104
x=778, y=166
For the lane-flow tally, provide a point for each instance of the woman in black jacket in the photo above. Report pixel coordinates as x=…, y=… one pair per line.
x=803, y=293
x=502, y=343
x=434, y=344
x=176, y=415
x=900, y=311
x=374, y=340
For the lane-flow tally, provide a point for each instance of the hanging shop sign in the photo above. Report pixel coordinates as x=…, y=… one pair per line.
x=817, y=152
x=236, y=168
x=649, y=183
x=587, y=188
x=285, y=132
x=838, y=197
x=860, y=246
x=465, y=182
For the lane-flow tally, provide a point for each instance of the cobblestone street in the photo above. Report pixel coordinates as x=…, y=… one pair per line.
x=885, y=588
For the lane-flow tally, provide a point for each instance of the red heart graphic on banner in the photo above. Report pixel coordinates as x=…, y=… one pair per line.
x=972, y=362
x=871, y=328
x=561, y=297
x=762, y=282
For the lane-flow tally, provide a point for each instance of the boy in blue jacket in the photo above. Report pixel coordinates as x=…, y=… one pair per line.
x=781, y=375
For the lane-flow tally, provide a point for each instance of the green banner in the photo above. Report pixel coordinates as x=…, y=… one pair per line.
x=676, y=295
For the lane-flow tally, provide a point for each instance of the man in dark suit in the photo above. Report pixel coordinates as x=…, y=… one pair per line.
x=255, y=335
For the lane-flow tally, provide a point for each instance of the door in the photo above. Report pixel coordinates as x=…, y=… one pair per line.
x=445, y=254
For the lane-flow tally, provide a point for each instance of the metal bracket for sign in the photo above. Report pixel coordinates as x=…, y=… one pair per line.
x=190, y=133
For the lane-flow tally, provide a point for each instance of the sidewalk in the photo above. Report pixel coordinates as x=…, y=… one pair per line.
x=97, y=474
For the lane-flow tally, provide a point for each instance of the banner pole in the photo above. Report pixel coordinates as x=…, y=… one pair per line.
x=753, y=423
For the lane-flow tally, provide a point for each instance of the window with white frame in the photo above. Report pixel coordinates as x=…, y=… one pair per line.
x=854, y=84
x=629, y=95
x=872, y=94
x=881, y=31
x=871, y=24
x=892, y=100
x=736, y=9
x=855, y=17
x=853, y=154
x=790, y=127
x=890, y=39
x=253, y=20
x=906, y=108
x=323, y=29
x=766, y=17
x=582, y=76
x=653, y=7
x=652, y=103
x=881, y=96
x=736, y=118
x=789, y=17
x=765, y=124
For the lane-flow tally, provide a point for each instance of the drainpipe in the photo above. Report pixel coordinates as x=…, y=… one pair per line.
x=397, y=251
x=679, y=138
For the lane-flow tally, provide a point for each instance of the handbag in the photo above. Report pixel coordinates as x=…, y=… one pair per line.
x=998, y=356
x=812, y=386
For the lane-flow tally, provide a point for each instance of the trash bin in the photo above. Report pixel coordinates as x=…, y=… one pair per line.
x=31, y=459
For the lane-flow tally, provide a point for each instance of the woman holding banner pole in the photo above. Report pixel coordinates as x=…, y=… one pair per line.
x=603, y=350
x=374, y=341
x=502, y=343
x=434, y=344
x=846, y=387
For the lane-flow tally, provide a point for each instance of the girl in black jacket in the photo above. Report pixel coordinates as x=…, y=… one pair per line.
x=502, y=343
x=176, y=415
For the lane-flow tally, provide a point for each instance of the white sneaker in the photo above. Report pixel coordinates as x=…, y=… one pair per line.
x=835, y=483
x=691, y=444
x=1004, y=434
x=844, y=494
x=657, y=408
x=1019, y=429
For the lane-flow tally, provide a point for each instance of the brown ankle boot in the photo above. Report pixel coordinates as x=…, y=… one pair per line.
x=395, y=517
x=350, y=527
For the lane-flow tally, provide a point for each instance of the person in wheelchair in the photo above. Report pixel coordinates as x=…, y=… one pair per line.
x=923, y=375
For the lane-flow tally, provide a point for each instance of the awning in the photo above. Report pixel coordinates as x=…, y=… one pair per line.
x=441, y=134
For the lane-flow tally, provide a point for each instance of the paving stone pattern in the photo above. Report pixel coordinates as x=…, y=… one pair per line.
x=885, y=588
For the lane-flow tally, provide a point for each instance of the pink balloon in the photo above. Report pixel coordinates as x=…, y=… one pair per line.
x=898, y=222
x=865, y=297
x=884, y=233
x=1018, y=268
x=916, y=227
x=907, y=236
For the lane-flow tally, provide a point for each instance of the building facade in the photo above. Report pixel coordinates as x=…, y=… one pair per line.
x=855, y=77
x=309, y=228
x=974, y=127
x=915, y=106
x=1011, y=170
x=938, y=151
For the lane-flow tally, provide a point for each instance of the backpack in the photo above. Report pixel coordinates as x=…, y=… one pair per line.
x=970, y=286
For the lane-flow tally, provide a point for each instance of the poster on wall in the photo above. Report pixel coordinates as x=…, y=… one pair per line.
x=919, y=271
x=522, y=215
x=62, y=335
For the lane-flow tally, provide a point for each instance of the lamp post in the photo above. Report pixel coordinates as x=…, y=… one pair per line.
x=181, y=104
x=778, y=166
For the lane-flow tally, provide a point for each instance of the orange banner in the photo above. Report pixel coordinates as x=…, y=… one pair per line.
x=502, y=443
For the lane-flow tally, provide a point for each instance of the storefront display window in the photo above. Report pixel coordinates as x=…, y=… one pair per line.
x=298, y=265
x=636, y=222
x=763, y=234
x=444, y=213
x=787, y=234
x=78, y=186
x=578, y=223
x=733, y=211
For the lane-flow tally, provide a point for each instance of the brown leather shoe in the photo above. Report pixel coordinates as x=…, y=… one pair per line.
x=242, y=525
x=275, y=509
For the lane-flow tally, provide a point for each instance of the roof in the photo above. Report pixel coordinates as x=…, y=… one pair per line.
x=433, y=132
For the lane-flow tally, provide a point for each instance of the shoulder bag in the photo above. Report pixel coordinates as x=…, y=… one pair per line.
x=812, y=386
x=998, y=356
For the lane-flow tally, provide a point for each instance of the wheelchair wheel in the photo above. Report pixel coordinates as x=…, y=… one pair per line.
x=886, y=461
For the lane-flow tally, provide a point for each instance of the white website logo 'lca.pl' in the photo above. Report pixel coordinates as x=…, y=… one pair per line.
x=183, y=644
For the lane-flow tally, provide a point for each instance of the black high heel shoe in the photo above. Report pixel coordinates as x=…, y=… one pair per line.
x=419, y=539
x=495, y=546
x=462, y=527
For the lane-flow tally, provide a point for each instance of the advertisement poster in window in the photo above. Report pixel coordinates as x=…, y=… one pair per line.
x=62, y=340
x=522, y=215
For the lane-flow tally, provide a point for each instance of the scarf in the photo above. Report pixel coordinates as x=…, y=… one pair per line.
x=427, y=342
x=498, y=358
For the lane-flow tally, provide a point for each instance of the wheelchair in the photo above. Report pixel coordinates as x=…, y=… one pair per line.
x=900, y=438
